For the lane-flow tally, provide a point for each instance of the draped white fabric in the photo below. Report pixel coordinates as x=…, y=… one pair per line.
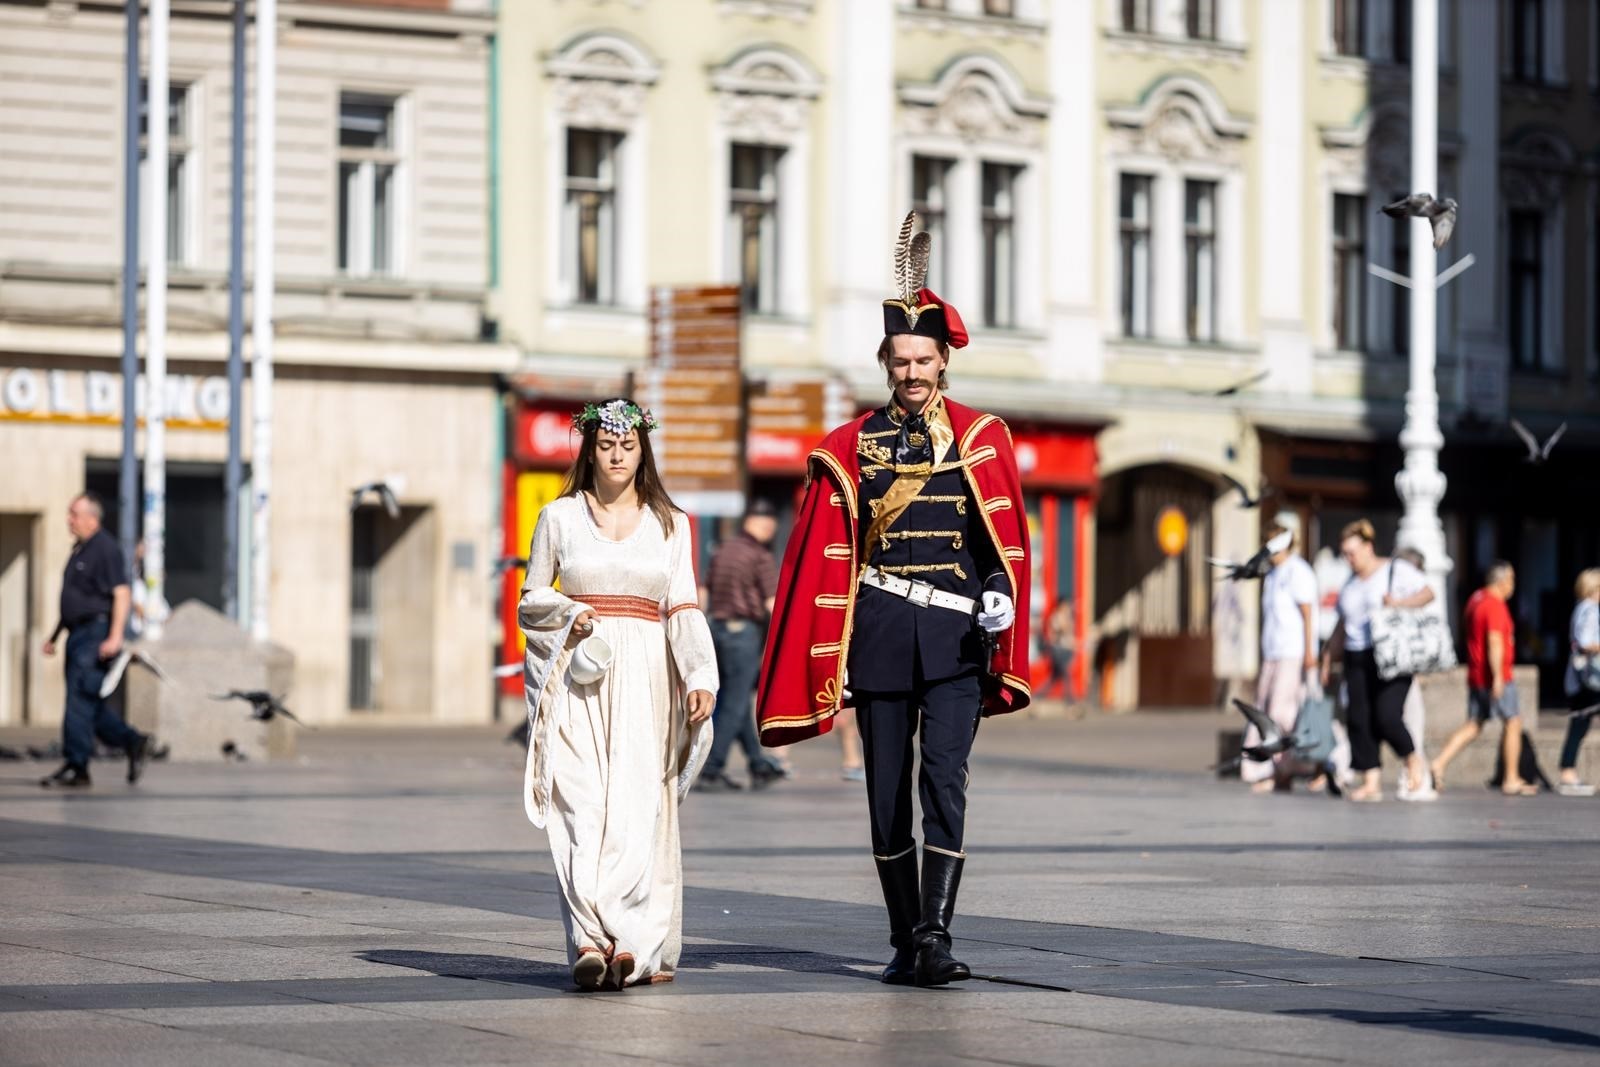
x=613, y=760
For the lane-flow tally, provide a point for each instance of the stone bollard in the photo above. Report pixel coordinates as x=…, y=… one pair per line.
x=203, y=653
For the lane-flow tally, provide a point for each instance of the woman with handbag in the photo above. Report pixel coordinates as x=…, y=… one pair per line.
x=1376, y=706
x=620, y=678
x=1582, y=682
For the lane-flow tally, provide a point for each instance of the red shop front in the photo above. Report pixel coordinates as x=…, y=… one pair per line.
x=1058, y=464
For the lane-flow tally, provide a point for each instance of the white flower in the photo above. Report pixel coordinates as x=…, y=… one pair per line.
x=617, y=419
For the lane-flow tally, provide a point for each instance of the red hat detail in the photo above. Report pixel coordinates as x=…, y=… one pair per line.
x=952, y=318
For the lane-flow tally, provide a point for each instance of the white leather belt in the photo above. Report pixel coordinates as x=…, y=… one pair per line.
x=922, y=594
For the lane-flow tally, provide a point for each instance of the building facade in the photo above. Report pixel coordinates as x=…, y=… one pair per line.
x=1138, y=204
x=382, y=239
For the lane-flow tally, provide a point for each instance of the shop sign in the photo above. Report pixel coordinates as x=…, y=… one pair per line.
x=788, y=419
x=95, y=398
x=544, y=437
x=1055, y=459
x=698, y=447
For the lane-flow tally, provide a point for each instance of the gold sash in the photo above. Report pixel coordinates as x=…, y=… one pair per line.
x=911, y=480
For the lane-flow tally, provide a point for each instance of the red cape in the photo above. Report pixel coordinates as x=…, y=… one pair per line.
x=808, y=644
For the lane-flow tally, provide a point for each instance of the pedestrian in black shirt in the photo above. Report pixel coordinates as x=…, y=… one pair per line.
x=94, y=610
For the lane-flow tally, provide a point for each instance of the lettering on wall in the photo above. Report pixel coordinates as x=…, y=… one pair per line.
x=73, y=396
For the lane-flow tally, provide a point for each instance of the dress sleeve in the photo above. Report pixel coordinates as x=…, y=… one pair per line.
x=687, y=632
x=542, y=609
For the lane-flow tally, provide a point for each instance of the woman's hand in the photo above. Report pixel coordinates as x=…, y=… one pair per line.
x=1326, y=673
x=584, y=622
x=700, y=704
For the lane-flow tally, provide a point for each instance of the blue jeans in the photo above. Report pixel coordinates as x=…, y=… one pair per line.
x=738, y=665
x=87, y=715
x=1577, y=727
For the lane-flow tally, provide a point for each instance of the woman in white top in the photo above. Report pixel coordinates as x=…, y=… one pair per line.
x=1376, y=708
x=611, y=757
x=1585, y=637
x=1288, y=655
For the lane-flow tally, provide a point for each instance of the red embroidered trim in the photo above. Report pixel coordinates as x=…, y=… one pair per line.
x=683, y=607
x=623, y=607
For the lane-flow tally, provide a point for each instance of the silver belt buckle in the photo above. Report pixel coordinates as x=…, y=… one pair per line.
x=921, y=594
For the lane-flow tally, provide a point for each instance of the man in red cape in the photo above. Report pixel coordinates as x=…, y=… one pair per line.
x=904, y=592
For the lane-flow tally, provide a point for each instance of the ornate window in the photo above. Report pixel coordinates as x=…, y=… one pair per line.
x=1534, y=172
x=974, y=150
x=761, y=176
x=596, y=170
x=1180, y=219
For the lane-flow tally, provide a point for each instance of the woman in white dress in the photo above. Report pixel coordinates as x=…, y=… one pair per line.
x=609, y=761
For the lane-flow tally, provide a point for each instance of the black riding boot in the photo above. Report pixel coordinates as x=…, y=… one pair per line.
x=941, y=877
x=898, y=876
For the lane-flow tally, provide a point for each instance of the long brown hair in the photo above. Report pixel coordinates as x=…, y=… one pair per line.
x=646, y=480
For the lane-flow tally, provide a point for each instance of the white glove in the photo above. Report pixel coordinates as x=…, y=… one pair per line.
x=997, y=613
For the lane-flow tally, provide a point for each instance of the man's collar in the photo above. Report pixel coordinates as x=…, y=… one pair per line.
x=930, y=410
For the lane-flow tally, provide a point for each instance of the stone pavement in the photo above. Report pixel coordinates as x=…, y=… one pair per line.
x=382, y=901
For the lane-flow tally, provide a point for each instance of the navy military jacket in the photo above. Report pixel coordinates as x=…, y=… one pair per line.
x=940, y=539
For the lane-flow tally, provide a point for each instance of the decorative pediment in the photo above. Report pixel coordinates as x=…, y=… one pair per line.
x=599, y=80
x=976, y=98
x=765, y=93
x=1534, y=168
x=1180, y=117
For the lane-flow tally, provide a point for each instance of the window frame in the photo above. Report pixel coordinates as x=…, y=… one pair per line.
x=1136, y=236
x=998, y=222
x=364, y=246
x=1348, y=301
x=934, y=217
x=1349, y=24
x=603, y=191
x=762, y=295
x=182, y=171
x=1200, y=250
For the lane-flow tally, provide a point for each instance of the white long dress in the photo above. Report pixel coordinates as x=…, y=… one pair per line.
x=611, y=761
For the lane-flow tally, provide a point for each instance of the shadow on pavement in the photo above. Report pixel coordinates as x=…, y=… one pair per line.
x=1459, y=1022
x=475, y=966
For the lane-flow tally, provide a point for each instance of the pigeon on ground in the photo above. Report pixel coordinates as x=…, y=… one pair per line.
x=264, y=707
x=1537, y=453
x=384, y=493
x=1257, y=565
x=1441, y=214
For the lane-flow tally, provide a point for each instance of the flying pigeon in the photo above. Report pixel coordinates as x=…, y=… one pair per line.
x=1441, y=214
x=1257, y=565
x=385, y=495
x=508, y=563
x=1236, y=387
x=1245, y=499
x=1537, y=453
x=264, y=707
x=1273, y=739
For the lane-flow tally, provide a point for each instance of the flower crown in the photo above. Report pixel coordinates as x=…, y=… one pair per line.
x=616, y=416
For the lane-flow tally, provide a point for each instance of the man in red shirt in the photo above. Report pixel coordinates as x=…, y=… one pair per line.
x=1490, y=691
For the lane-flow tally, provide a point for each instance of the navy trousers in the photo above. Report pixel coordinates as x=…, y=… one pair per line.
x=940, y=720
x=738, y=665
x=88, y=716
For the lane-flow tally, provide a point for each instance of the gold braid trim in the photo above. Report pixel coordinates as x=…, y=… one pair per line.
x=839, y=551
x=924, y=568
x=833, y=601
x=957, y=537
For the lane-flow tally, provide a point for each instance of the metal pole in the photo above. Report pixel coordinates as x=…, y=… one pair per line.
x=1420, y=483
x=155, y=377
x=261, y=368
x=233, y=475
x=128, y=473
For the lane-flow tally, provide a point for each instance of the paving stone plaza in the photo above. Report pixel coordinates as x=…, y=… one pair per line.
x=382, y=900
